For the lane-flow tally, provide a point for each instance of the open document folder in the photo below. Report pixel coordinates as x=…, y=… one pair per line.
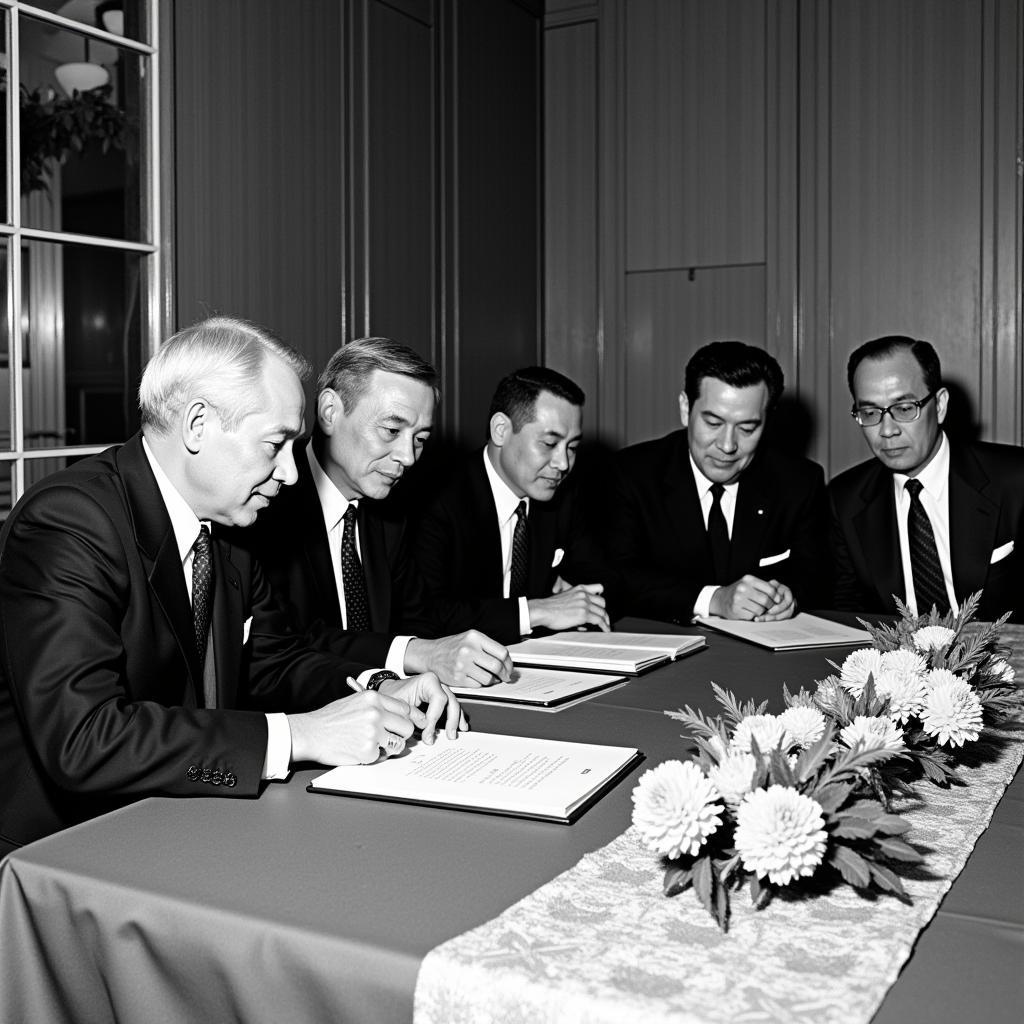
x=541, y=688
x=630, y=653
x=550, y=780
x=801, y=631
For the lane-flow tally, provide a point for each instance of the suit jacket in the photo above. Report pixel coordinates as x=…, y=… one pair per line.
x=289, y=540
x=458, y=549
x=97, y=655
x=657, y=536
x=986, y=513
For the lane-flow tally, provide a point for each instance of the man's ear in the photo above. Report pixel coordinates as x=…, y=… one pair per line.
x=684, y=409
x=329, y=409
x=195, y=421
x=941, y=403
x=501, y=427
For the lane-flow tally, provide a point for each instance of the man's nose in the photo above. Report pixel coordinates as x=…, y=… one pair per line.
x=404, y=452
x=888, y=427
x=727, y=441
x=285, y=469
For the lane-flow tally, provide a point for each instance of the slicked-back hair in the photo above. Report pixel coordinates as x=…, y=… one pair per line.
x=734, y=363
x=219, y=359
x=880, y=348
x=349, y=370
x=516, y=394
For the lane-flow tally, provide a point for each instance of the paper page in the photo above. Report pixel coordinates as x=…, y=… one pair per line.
x=802, y=630
x=486, y=770
x=664, y=642
x=539, y=686
x=551, y=649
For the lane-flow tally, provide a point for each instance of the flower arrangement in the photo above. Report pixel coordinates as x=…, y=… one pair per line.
x=774, y=801
x=769, y=800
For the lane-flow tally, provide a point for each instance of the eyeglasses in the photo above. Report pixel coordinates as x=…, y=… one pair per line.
x=902, y=412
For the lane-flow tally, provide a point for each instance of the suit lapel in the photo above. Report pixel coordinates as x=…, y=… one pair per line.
x=973, y=518
x=878, y=533
x=159, y=552
x=541, y=533
x=373, y=553
x=749, y=521
x=687, y=526
x=228, y=622
x=315, y=548
x=487, y=533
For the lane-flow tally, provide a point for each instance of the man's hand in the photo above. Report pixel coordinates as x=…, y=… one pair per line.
x=427, y=689
x=351, y=730
x=581, y=605
x=468, y=659
x=784, y=607
x=749, y=598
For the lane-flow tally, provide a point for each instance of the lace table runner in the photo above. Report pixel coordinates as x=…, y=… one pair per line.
x=601, y=943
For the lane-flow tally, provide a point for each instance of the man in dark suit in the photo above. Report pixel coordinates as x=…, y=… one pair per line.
x=139, y=655
x=337, y=552
x=705, y=521
x=505, y=546
x=928, y=519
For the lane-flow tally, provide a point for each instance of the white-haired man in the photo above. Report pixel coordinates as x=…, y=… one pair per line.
x=141, y=653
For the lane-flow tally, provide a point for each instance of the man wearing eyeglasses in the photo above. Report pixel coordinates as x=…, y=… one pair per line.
x=927, y=520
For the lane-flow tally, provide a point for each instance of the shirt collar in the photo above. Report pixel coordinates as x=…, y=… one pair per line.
x=704, y=484
x=934, y=477
x=184, y=521
x=333, y=503
x=505, y=500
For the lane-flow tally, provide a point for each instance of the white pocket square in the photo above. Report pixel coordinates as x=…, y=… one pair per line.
x=559, y=555
x=999, y=553
x=772, y=559
x=246, y=626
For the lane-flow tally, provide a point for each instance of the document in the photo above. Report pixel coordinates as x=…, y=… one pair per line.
x=550, y=780
x=541, y=687
x=630, y=653
x=801, y=631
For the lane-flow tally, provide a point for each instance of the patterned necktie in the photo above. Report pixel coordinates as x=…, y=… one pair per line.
x=929, y=585
x=718, y=535
x=517, y=581
x=353, y=579
x=202, y=589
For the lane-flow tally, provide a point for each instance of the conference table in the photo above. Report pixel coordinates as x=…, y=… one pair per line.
x=310, y=907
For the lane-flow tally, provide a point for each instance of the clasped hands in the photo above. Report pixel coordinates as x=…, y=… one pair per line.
x=355, y=729
x=753, y=598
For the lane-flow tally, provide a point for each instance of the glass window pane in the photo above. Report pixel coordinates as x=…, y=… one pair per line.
x=6, y=489
x=84, y=344
x=121, y=17
x=80, y=133
x=6, y=377
x=37, y=469
x=4, y=114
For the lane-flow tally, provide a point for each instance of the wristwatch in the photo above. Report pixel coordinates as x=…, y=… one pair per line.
x=382, y=676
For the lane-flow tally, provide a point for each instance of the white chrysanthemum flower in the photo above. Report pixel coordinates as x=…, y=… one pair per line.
x=952, y=713
x=675, y=808
x=780, y=833
x=1002, y=670
x=871, y=733
x=768, y=730
x=857, y=667
x=941, y=677
x=933, y=638
x=734, y=776
x=804, y=726
x=905, y=693
x=720, y=748
x=902, y=660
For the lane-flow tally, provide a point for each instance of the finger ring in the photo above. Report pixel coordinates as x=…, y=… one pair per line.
x=392, y=742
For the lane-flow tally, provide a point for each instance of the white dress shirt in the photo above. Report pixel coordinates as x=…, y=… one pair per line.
x=702, y=606
x=334, y=505
x=506, y=503
x=935, y=499
x=186, y=525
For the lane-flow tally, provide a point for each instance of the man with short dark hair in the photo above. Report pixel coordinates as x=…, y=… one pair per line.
x=337, y=552
x=929, y=520
x=505, y=547
x=142, y=653
x=704, y=521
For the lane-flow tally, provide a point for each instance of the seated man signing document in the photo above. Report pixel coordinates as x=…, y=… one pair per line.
x=706, y=521
x=142, y=654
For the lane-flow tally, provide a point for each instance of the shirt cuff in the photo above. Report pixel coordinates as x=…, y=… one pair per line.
x=524, y=617
x=702, y=606
x=396, y=655
x=277, y=762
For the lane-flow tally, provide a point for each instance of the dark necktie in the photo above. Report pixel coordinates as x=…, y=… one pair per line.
x=718, y=535
x=353, y=579
x=517, y=581
x=929, y=585
x=202, y=589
